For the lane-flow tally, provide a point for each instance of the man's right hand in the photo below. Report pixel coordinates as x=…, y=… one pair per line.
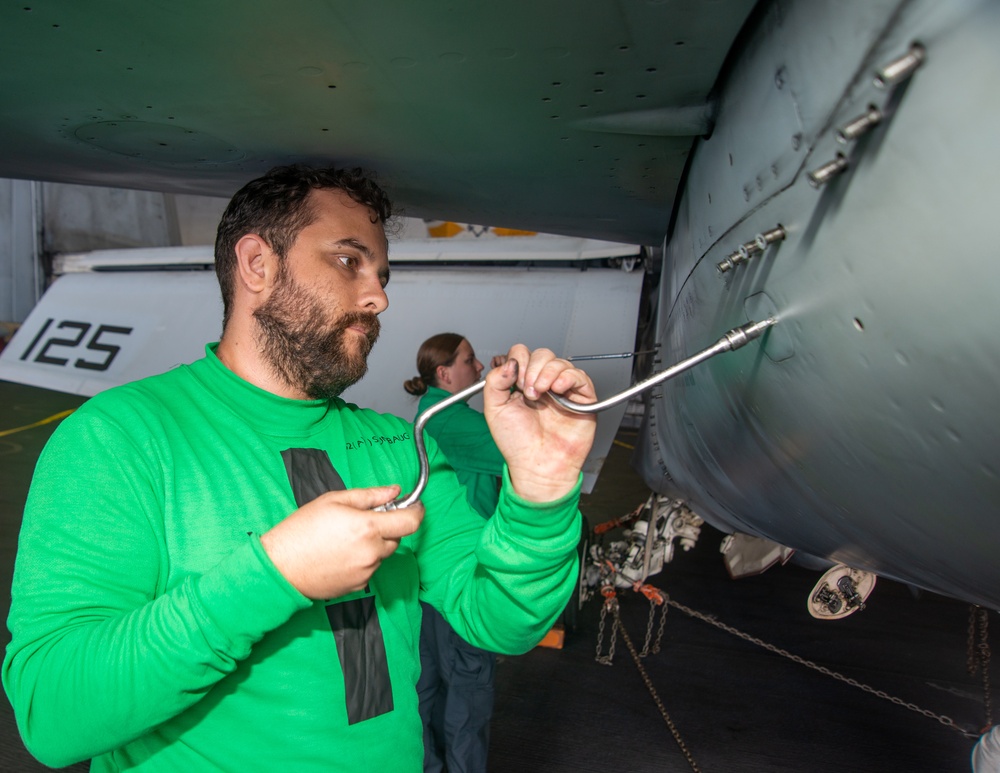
x=333, y=545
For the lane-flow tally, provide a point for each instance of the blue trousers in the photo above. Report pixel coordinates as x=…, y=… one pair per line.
x=456, y=698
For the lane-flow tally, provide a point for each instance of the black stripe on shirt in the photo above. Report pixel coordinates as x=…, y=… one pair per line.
x=355, y=623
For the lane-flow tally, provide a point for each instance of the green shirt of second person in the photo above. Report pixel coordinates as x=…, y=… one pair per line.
x=463, y=435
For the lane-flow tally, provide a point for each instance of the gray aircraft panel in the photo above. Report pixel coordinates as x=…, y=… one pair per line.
x=862, y=429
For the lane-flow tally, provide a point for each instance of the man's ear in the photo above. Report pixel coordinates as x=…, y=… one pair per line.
x=256, y=263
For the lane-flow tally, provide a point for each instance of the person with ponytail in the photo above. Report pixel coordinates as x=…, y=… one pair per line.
x=456, y=682
x=446, y=364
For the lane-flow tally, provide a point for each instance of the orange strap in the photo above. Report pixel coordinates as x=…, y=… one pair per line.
x=607, y=526
x=653, y=594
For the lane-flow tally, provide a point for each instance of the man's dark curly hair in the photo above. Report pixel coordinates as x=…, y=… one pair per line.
x=276, y=207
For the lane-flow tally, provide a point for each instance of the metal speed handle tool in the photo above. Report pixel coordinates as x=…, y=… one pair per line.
x=731, y=340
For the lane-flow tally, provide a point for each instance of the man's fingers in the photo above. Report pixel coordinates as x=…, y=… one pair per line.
x=396, y=524
x=332, y=545
x=363, y=498
x=391, y=525
x=574, y=381
x=500, y=380
x=537, y=363
x=548, y=373
x=537, y=372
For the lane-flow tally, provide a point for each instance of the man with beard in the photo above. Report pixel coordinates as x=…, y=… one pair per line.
x=201, y=581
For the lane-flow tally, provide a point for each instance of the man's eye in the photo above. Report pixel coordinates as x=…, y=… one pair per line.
x=348, y=260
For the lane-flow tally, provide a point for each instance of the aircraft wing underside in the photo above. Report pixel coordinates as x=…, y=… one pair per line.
x=558, y=116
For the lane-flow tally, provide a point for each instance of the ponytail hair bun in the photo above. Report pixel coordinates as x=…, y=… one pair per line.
x=440, y=349
x=415, y=386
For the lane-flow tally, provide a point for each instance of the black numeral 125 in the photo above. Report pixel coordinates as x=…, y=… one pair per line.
x=82, y=328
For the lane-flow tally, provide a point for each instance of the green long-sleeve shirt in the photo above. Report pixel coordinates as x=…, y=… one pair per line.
x=152, y=632
x=464, y=437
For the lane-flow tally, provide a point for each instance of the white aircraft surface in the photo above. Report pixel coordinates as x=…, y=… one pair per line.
x=113, y=316
x=829, y=165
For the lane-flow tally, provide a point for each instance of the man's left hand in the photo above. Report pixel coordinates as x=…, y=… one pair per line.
x=543, y=444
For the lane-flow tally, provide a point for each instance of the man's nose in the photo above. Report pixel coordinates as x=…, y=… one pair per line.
x=373, y=297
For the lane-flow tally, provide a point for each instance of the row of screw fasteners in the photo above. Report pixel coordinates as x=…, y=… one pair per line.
x=749, y=249
x=886, y=77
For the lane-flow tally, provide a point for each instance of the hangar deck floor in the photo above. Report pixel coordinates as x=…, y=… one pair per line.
x=737, y=706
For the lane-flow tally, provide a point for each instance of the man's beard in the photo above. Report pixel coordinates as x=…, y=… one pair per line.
x=305, y=346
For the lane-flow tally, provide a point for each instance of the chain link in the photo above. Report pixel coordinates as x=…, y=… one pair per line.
x=652, y=690
x=978, y=619
x=659, y=633
x=610, y=603
x=970, y=656
x=984, y=662
x=649, y=629
x=944, y=720
x=655, y=649
x=978, y=657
